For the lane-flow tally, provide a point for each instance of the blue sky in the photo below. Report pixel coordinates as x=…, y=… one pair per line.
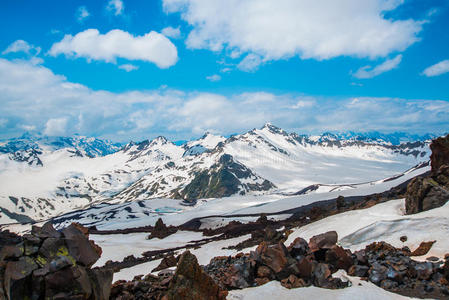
x=136, y=69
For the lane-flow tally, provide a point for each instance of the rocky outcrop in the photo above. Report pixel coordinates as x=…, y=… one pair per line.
x=48, y=264
x=424, y=193
x=190, y=282
x=161, y=230
x=440, y=153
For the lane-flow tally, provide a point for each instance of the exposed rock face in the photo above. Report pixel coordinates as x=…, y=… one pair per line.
x=190, y=282
x=440, y=153
x=433, y=191
x=161, y=231
x=48, y=264
x=424, y=194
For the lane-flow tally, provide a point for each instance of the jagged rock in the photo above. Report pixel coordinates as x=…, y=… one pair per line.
x=80, y=247
x=190, y=282
x=11, y=251
x=323, y=241
x=161, y=231
x=338, y=258
x=166, y=262
x=46, y=231
x=440, y=152
x=377, y=273
x=68, y=282
x=293, y=282
x=298, y=247
x=275, y=257
x=17, y=281
x=101, y=280
x=358, y=270
x=424, y=194
x=264, y=271
x=422, y=249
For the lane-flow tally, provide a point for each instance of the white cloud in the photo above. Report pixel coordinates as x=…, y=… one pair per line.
x=22, y=46
x=370, y=72
x=214, y=78
x=274, y=30
x=92, y=45
x=34, y=95
x=250, y=63
x=56, y=127
x=82, y=13
x=437, y=69
x=116, y=7
x=128, y=67
x=226, y=70
x=171, y=32
x=28, y=127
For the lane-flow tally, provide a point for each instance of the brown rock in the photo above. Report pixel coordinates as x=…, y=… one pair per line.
x=440, y=153
x=338, y=258
x=323, y=241
x=46, y=231
x=166, y=262
x=423, y=248
x=261, y=281
x=274, y=257
x=190, y=282
x=161, y=231
x=263, y=271
x=424, y=194
x=403, y=238
x=17, y=282
x=298, y=247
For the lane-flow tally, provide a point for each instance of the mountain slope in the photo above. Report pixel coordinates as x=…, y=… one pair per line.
x=65, y=174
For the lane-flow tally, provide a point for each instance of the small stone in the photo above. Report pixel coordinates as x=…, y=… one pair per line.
x=403, y=238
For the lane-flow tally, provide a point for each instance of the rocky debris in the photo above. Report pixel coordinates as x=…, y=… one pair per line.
x=440, y=153
x=161, y=231
x=140, y=288
x=393, y=269
x=294, y=266
x=167, y=262
x=422, y=249
x=191, y=282
x=424, y=193
x=50, y=264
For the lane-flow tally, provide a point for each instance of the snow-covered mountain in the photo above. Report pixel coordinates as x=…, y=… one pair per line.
x=44, y=177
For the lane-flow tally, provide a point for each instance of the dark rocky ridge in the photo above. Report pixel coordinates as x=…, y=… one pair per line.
x=424, y=193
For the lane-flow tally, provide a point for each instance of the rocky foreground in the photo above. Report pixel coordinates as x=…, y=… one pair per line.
x=50, y=264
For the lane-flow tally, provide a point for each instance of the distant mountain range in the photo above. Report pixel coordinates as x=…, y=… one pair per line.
x=41, y=177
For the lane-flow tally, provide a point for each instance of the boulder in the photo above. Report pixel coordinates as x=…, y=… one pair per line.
x=440, y=153
x=17, y=279
x=298, y=247
x=358, y=270
x=323, y=241
x=338, y=258
x=79, y=246
x=46, y=231
x=68, y=282
x=274, y=257
x=422, y=249
x=424, y=194
x=101, y=280
x=190, y=282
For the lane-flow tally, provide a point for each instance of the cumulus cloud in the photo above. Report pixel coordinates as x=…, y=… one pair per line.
x=214, y=78
x=34, y=95
x=276, y=30
x=82, y=13
x=174, y=33
x=22, y=46
x=128, y=67
x=250, y=63
x=437, y=69
x=116, y=7
x=92, y=45
x=55, y=127
x=370, y=72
